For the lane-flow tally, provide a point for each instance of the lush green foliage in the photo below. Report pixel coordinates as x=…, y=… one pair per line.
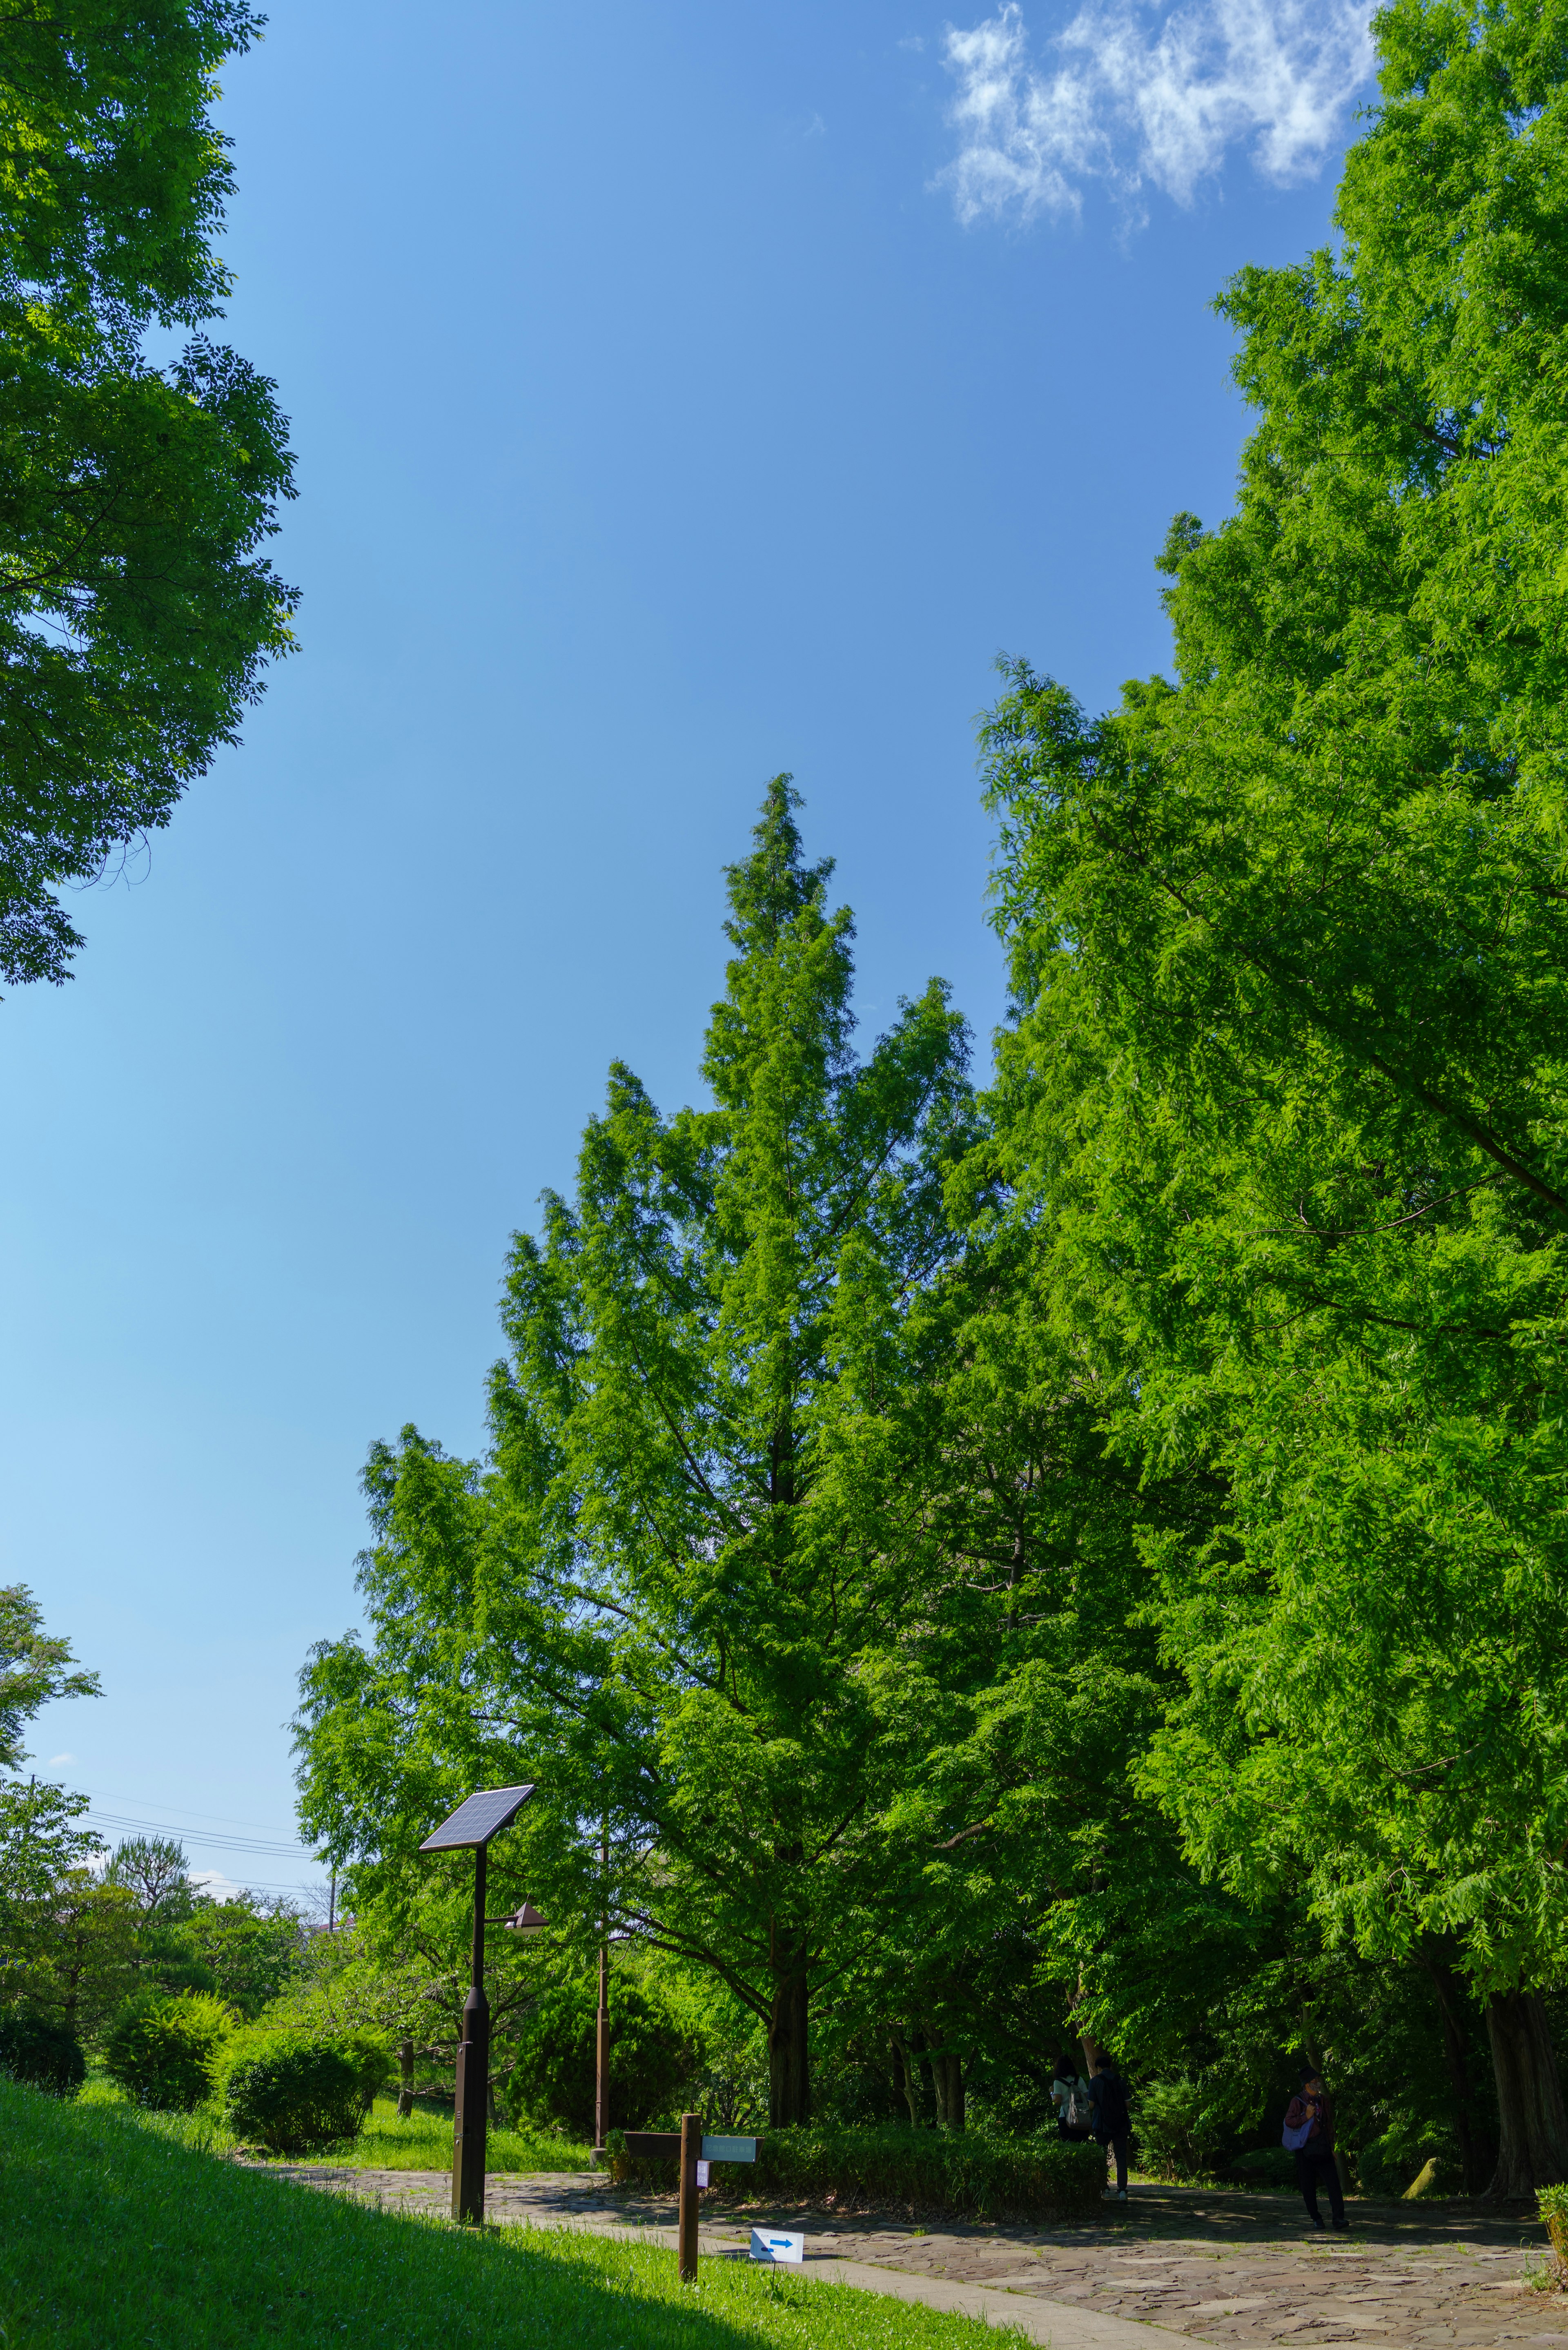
x=969, y=2172
x=40, y=2053
x=1283, y=1109
x=966, y=2174
x=162, y=2050
x=1552, y=2205
x=34, y=1668
x=652, y=2063
x=1091, y=1562
x=664, y=1589
x=117, y=2238
x=134, y=499
x=1390, y=2166
x=292, y=2091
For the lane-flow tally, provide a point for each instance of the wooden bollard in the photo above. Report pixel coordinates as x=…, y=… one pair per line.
x=691, y=2148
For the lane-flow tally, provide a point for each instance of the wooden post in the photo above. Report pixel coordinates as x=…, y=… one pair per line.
x=691, y=2148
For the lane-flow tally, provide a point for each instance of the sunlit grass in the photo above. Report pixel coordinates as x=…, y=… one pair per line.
x=115, y=2236
x=422, y=2142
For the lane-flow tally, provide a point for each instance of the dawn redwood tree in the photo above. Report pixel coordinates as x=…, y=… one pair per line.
x=668, y=1597
x=1286, y=1100
x=137, y=609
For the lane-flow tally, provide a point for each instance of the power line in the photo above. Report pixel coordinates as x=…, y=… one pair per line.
x=124, y=1824
x=220, y=1819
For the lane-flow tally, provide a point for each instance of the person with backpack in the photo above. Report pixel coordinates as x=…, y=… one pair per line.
x=1309, y=2134
x=1109, y=2098
x=1070, y=2095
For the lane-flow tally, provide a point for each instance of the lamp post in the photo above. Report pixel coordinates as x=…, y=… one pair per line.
x=469, y=1829
x=601, y=2037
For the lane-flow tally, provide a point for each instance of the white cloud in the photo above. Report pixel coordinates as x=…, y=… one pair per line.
x=54, y=1759
x=1138, y=96
x=213, y=1881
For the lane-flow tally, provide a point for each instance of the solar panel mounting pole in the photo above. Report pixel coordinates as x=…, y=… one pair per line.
x=469, y=1829
x=470, y=2109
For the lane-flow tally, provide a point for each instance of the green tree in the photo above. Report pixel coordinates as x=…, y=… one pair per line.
x=34, y=1668
x=77, y=1946
x=42, y=1848
x=252, y=1948
x=1285, y=1099
x=136, y=609
x=661, y=1599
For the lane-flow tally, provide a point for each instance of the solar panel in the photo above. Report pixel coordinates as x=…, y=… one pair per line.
x=473, y=1823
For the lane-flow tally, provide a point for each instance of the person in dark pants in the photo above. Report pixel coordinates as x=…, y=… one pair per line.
x=1109, y=2096
x=1313, y=2110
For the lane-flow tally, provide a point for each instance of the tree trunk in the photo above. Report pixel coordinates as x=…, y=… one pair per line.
x=947, y=2079
x=1449, y=1994
x=406, y=2088
x=1532, y=2129
x=912, y=2086
x=789, y=2077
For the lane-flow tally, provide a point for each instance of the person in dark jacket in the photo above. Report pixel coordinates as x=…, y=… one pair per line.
x=1313, y=2109
x=1108, y=2097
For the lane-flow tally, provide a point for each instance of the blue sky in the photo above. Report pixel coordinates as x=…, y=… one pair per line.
x=680, y=393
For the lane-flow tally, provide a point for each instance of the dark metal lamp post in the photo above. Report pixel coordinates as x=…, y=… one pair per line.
x=469, y=1829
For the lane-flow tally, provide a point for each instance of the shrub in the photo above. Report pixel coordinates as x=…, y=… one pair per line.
x=40, y=2053
x=292, y=2091
x=1393, y=2163
x=654, y=2063
x=1184, y=2124
x=162, y=2049
x=1266, y=2166
x=967, y=2172
x=1551, y=2202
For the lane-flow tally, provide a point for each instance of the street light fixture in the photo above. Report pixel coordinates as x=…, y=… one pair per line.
x=482, y=1815
x=526, y=1921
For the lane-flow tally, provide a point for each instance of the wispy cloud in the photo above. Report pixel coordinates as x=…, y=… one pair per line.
x=1138, y=97
x=53, y=1759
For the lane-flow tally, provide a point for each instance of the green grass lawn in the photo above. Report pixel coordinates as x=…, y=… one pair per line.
x=114, y=2236
x=423, y=2142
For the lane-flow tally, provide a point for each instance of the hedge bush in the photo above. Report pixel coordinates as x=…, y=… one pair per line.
x=162, y=2048
x=1551, y=2202
x=292, y=2091
x=42, y=2054
x=969, y=2173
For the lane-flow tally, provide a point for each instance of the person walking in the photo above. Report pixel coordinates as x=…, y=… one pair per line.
x=1070, y=2095
x=1109, y=2099
x=1309, y=2133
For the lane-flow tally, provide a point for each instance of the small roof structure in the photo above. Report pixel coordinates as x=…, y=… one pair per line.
x=482, y=1816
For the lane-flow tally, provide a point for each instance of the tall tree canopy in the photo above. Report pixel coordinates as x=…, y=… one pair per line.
x=137, y=607
x=664, y=1597
x=1286, y=1100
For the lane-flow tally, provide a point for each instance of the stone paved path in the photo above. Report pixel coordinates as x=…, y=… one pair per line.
x=1215, y=2267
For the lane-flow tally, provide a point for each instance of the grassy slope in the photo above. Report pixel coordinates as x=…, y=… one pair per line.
x=113, y=2235
x=422, y=2142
